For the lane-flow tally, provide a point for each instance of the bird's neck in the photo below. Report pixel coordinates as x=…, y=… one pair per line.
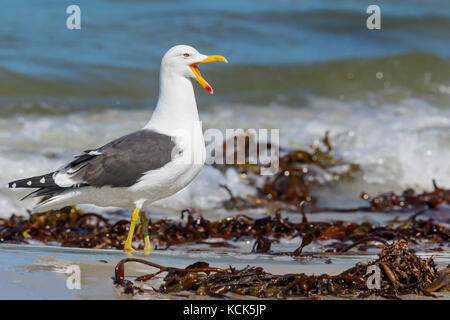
x=176, y=108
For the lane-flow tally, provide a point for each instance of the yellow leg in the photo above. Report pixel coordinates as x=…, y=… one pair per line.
x=147, y=246
x=134, y=219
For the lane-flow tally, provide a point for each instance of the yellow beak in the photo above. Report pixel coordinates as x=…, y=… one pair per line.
x=198, y=75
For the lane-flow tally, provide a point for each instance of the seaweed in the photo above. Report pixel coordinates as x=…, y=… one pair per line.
x=289, y=190
x=408, y=199
x=299, y=170
x=388, y=202
x=74, y=228
x=401, y=272
x=68, y=226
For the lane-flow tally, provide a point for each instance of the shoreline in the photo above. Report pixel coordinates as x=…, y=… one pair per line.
x=38, y=272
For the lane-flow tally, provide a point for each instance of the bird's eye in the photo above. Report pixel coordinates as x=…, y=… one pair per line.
x=186, y=55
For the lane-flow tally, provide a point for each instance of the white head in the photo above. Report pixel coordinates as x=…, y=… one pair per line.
x=183, y=60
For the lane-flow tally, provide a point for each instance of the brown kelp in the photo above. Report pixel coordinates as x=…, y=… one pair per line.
x=73, y=228
x=408, y=199
x=299, y=169
x=400, y=271
x=288, y=190
x=387, y=202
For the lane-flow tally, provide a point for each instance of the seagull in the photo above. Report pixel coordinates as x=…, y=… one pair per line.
x=147, y=165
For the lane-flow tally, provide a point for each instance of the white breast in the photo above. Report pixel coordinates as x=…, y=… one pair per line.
x=187, y=161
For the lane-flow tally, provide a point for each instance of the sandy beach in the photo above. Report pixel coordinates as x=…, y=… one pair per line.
x=40, y=272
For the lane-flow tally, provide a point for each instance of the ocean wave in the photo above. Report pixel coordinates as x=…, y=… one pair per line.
x=399, y=145
x=374, y=80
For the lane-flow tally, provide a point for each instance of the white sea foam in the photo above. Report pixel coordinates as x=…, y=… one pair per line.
x=401, y=146
x=398, y=146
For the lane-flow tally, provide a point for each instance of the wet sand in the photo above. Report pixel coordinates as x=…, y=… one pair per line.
x=40, y=272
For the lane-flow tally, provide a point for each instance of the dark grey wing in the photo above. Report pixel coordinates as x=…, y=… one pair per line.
x=122, y=162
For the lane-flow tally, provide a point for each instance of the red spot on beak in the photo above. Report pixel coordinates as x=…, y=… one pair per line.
x=208, y=88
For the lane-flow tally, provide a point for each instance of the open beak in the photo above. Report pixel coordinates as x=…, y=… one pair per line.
x=198, y=75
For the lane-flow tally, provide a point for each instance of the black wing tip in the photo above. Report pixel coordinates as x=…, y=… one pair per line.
x=24, y=183
x=45, y=180
x=11, y=185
